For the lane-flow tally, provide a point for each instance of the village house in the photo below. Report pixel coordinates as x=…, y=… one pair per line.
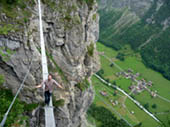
x=111, y=101
x=144, y=82
x=135, y=91
x=132, y=87
x=130, y=70
x=132, y=112
x=153, y=94
x=114, y=103
x=150, y=83
x=123, y=73
x=137, y=74
x=138, y=89
x=141, y=87
x=127, y=76
x=103, y=93
x=132, y=77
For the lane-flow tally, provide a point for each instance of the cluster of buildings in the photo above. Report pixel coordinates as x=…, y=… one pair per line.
x=137, y=88
x=114, y=103
x=141, y=84
x=103, y=93
x=154, y=94
x=128, y=75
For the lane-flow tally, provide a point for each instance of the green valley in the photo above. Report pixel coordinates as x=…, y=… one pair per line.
x=118, y=103
x=147, y=33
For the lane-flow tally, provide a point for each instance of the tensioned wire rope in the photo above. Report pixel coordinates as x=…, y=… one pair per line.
x=13, y=101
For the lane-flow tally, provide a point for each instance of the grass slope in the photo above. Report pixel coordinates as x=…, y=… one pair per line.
x=150, y=39
x=134, y=62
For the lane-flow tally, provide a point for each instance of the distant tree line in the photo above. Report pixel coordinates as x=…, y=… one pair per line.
x=105, y=117
x=9, y=1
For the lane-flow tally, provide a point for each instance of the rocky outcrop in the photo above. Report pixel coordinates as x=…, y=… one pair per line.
x=69, y=28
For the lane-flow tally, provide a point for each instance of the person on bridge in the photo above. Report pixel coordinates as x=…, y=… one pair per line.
x=49, y=87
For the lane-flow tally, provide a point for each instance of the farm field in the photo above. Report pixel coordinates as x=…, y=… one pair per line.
x=158, y=106
x=124, y=107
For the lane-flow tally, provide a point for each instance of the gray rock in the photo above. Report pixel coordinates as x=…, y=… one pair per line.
x=10, y=44
x=13, y=44
x=66, y=40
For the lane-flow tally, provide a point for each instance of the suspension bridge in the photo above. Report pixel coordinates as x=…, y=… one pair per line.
x=49, y=113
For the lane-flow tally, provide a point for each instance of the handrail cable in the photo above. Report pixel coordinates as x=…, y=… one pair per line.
x=7, y=112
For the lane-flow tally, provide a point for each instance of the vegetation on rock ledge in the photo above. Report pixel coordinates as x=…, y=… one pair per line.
x=83, y=85
x=90, y=49
x=15, y=116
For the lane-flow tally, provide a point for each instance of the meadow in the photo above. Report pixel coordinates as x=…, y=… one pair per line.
x=125, y=107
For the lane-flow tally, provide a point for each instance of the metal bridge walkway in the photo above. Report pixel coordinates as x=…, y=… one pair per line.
x=49, y=113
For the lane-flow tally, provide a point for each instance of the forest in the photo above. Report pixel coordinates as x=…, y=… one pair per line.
x=105, y=117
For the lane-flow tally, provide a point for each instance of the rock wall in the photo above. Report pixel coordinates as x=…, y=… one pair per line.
x=70, y=27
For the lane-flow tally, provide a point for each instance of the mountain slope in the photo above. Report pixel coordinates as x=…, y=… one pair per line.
x=144, y=25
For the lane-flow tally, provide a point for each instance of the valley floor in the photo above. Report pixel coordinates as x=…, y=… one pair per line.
x=146, y=86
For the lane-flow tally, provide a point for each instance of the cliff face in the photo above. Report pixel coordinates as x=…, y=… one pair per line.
x=70, y=32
